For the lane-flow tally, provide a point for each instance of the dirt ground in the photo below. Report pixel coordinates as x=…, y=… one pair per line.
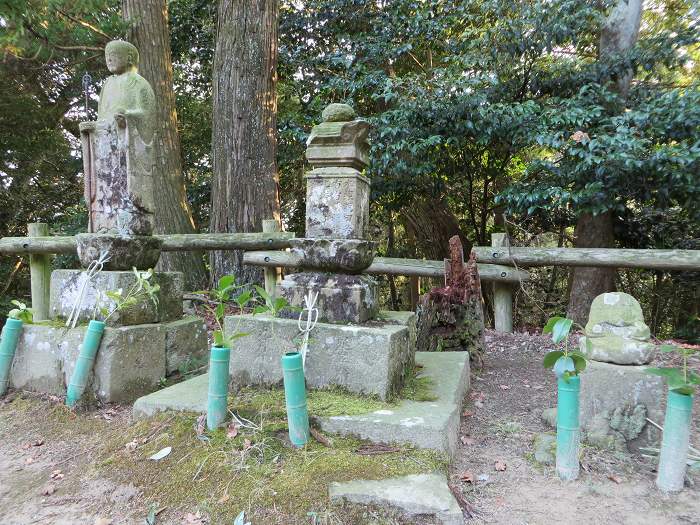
x=54, y=465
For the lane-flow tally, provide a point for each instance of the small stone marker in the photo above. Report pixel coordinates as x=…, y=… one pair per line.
x=616, y=331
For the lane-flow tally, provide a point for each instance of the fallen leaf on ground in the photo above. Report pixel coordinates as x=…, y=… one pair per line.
x=467, y=413
x=466, y=440
x=504, y=387
x=194, y=518
x=57, y=474
x=223, y=499
x=320, y=438
x=103, y=521
x=38, y=443
x=232, y=431
x=247, y=444
x=467, y=477
x=616, y=479
x=29, y=460
x=374, y=449
x=499, y=465
x=131, y=445
x=161, y=454
x=48, y=489
x=201, y=424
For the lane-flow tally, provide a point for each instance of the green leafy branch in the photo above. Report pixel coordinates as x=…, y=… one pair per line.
x=680, y=380
x=220, y=296
x=24, y=314
x=272, y=305
x=142, y=290
x=565, y=363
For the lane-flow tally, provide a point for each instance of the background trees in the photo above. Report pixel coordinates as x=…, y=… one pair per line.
x=486, y=115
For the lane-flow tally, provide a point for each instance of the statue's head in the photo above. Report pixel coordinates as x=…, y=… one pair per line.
x=121, y=56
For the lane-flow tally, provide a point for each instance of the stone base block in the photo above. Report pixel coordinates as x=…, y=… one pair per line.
x=186, y=344
x=341, y=298
x=66, y=286
x=188, y=396
x=615, y=401
x=130, y=362
x=424, y=424
x=617, y=350
x=369, y=359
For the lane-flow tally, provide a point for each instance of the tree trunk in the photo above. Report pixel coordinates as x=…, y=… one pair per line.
x=244, y=145
x=618, y=35
x=150, y=34
x=431, y=223
x=588, y=282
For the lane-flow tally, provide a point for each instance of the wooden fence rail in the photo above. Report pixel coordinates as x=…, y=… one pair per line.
x=391, y=266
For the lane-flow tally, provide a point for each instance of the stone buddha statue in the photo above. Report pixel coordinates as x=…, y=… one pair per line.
x=117, y=149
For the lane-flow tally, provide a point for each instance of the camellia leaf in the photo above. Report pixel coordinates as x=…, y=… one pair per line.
x=218, y=338
x=551, y=358
x=220, y=310
x=579, y=362
x=686, y=390
x=550, y=325
x=561, y=329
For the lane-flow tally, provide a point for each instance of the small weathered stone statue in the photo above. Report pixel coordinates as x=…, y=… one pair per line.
x=615, y=332
x=117, y=149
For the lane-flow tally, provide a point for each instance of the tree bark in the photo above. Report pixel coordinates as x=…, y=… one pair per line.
x=244, y=145
x=618, y=35
x=431, y=223
x=149, y=33
x=589, y=282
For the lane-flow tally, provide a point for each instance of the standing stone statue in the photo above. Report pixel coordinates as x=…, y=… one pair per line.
x=117, y=149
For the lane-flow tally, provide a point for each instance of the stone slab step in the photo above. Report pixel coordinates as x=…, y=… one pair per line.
x=415, y=495
x=188, y=396
x=425, y=424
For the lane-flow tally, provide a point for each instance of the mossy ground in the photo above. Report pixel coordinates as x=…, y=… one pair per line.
x=256, y=470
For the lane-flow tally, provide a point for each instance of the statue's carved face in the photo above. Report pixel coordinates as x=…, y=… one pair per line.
x=117, y=60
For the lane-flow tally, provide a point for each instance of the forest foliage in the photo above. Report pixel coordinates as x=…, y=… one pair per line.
x=486, y=116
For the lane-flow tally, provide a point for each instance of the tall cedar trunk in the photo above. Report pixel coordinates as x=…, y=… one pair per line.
x=617, y=36
x=244, y=146
x=149, y=33
x=431, y=223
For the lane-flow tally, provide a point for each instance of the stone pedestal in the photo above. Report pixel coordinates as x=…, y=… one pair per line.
x=66, y=285
x=130, y=362
x=342, y=298
x=370, y=359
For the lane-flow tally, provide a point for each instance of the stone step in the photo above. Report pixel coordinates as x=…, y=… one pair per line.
x=188, y=396
x=425, y=424
x=415, y=495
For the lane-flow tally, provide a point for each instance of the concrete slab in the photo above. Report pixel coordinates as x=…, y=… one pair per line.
x=414, y=495
x=188, y=396
x=371, y=358
x=425, y=424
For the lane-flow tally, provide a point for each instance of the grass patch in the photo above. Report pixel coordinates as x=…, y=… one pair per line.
x=417, y=387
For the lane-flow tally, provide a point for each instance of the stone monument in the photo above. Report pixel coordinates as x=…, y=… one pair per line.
x=616, y=394
x=118, y=167
x=141, y=343
x=353, y=345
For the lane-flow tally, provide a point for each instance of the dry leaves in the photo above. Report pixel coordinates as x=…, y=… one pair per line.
x=131, y=445
x=467, y=441
x=320, y=438
x=57, y=474
x=232, y=431
x=375, y=449
x=504, y=387
x=103, y=521
x=499, y=465
x=195, y=518
x=616, y=479
x=467, y=413
x=48, y=490
x=467, y=477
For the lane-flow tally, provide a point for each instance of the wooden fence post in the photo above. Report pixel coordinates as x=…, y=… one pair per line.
x=40, y=271
x=271, y=274
x=502, y=293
